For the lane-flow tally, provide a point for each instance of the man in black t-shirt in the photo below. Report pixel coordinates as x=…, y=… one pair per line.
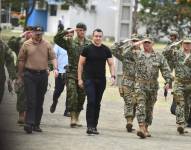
x=92, y=63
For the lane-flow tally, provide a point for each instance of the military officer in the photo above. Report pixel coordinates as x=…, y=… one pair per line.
x=74, y=46
x=182, y=90
x=148, y=64
x=128, y=79
x=15, y=44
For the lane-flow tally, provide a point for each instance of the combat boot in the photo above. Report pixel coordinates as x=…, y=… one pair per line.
x=73, y=120
x=141, y=132
x=77, y=120
x=180, y=128
x=147, y=131
x=53, y=107
x=129, y=124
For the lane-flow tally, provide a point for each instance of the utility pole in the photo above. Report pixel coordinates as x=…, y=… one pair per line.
x=123, y=29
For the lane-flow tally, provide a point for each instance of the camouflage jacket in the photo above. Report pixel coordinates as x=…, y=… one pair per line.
x=128, y=63
x=167, y=56
x=7, y=58
x=74, y=49
x=181, y=64
x=147, y=70
x=15, y=44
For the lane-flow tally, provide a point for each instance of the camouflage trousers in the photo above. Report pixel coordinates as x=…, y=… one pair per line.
x=2, y=87
x=75, y=95
x=182, y=97
x=145, y=104
x=130, y=103
x=21, y=99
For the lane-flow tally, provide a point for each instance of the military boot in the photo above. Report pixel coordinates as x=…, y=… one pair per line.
x=77, y=120
x=180, y=128
x=129, y=124
x=73, y=120
x=147, y=131
x=141, y=131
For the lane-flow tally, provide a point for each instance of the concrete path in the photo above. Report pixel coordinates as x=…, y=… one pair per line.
x=57, y=135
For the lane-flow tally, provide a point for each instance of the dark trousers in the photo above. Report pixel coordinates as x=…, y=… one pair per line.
x=35, y=85
x=94, y=89
x=2, y=87
x=2, y=83
x=60, y=82
x=189, y=118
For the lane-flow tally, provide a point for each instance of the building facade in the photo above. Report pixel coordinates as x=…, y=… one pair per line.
x=99, y=14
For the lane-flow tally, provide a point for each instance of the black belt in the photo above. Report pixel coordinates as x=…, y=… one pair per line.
x=36, y=71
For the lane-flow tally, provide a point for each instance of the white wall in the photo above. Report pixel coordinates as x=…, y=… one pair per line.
x=103, y=18
x=52, y=21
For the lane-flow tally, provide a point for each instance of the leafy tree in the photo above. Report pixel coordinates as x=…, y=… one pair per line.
x=160, y=16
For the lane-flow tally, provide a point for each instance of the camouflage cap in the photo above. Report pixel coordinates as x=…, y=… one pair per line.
x=135, y=37
x=187, y=40
x=173, y=33
x=147, y=38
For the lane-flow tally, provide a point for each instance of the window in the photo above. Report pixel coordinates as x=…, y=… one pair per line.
x=53, y=10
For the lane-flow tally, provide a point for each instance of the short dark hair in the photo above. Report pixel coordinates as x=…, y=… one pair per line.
x=28, y=28
x=38, y=28
x=82, y=26
x=97, y=30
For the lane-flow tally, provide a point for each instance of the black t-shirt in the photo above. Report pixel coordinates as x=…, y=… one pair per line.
x=96, y=58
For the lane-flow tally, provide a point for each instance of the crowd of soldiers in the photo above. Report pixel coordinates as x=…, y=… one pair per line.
x=139, y=82
x=139, y=85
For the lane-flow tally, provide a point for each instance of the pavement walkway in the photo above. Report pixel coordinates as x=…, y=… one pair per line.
x=57, y=135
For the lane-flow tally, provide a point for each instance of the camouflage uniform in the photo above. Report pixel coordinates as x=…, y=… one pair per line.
x=168, y=58
x=6, y=58
x=128, y=78
x=15, y=44
x=146, y=86
x=76, y=95
x=182, y=84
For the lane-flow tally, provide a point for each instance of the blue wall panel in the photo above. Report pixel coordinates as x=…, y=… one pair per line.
x=38, y=17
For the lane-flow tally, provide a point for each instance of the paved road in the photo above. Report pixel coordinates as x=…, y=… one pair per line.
x=58, y=135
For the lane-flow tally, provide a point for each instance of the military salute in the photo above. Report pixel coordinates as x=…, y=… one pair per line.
x=182, y=83
x=85, y=74
x=75, y=95
x=126, y=88
x=148, y=65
